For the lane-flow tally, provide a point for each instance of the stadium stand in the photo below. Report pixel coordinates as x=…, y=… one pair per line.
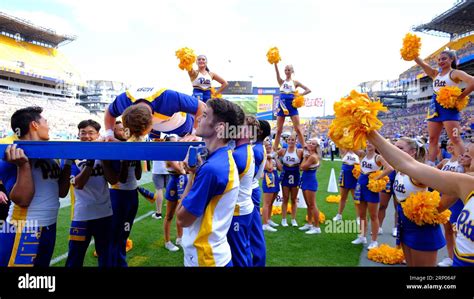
x=33, y=72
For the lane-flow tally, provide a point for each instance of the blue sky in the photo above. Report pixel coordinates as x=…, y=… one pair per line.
x=333, y=45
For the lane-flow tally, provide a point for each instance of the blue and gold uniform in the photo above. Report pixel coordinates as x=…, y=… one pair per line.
x=257, y=238
x=290, y=176
x=287, y=94
x=212, y=200
x=271, y=180
x=419, y=237
x=27, y=239
x=202, y=86
x=172, y=111
x=239, y=232
x=362, y=192
x=436, y=112
x=346, y=178
x=464, y=249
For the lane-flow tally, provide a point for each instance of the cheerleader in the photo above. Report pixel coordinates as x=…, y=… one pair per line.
x=456, y=185
x=290, y=178
x=385, y=196
x=270, y=186
x=285, y=107
x=309, y=185
x=368, y=199
x=174, y=190
x=439, y=117
x=451, y=164
x=347, y=181
x=202, y=79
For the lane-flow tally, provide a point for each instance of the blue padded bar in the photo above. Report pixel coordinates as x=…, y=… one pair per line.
x=159, y=151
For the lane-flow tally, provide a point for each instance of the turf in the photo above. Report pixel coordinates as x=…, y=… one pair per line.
x=287, y=247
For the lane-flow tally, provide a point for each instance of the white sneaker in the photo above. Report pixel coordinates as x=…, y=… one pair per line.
x=268, y=228
x=156, y=216
x=372, y=245
x=179, y=242
x=447, y=262
x=394, y=232
x=306, y=226
x=293, y=222
x=360, y=240
x=171, y=247
x=313, y=230
x=284, y=223
x=338, y=217
x=272, y=224
x=380, y=231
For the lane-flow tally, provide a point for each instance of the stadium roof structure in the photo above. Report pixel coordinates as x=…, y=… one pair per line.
x=31, y=32
x=456, y=21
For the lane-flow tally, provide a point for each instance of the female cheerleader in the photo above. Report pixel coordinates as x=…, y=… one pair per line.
x=347, y=181
x=309, y=185
x=285, y=107
x=270, y=186
x=174, y=190
x=451, y=164
x=202, y=79
x=290, y=178
x=437, y=117
x=456, y=185
x=368, y=199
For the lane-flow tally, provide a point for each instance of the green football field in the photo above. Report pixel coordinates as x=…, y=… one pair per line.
x=287, y=247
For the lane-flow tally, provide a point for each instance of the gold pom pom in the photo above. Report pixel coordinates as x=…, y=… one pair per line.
x=448, y=97
x=333, y=198
x=276, y=210
x=377, y=185
x=356, y=116
x=273, y=55
x=386, y=255
x=215, y=95
x=422, y=208
x=298, y=100
x=356, y=171
x=186, y=57
x=411, y=47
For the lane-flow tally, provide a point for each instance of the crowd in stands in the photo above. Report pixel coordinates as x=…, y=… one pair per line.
x=62, y=116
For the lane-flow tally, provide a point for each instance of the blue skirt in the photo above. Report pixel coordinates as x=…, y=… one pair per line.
x=271, y=182
x=176, y=186
x=362, y=193
x=309, y=181
x=424, y=238
x=285, y=105
x=346, y=178
x=437, y=113
x=290, y=178
x=203, y=95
